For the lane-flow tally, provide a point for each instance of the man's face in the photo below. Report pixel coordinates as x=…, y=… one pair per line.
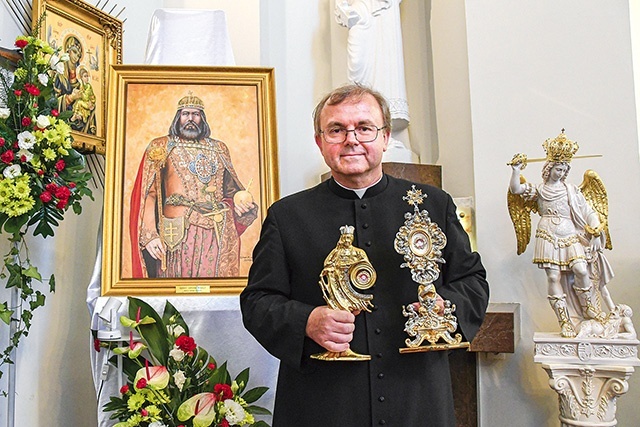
x=354, y=164
x=190, y=123
x=558, y=171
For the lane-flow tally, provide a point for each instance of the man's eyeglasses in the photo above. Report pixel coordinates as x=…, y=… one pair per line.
x=363, y=134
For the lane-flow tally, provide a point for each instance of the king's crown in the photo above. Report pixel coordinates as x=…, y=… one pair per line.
x=560, y=149
x=190, y=101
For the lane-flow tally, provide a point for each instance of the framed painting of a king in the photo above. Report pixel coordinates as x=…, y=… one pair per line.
x=191, y=170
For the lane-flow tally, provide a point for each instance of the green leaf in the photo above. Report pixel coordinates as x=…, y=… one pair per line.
x=257, y=410
x=220, y=375
x=254, y=394
x=155, y=334
x=169, y=312
x=32, y=272
x=52, y=283
x=242, y=379
x=5, y=314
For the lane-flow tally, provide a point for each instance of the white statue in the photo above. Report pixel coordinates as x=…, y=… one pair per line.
x=570, y=238
x=375, y=59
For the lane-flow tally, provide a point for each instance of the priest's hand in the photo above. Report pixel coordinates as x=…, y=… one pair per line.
x=332, y=329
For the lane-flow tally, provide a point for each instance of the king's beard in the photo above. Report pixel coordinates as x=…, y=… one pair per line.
x=190, y=130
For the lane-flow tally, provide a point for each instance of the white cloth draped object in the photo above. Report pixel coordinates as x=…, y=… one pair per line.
x=189, y=37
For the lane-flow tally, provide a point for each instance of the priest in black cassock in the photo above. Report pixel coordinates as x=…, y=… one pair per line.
x=283, y=305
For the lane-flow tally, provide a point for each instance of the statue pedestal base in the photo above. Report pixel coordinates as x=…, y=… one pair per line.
x=587, y=374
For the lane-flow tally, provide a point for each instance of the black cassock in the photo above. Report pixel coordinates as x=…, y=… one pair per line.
x=392, y=389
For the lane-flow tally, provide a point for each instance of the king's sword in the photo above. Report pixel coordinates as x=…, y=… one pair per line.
x=542, y=159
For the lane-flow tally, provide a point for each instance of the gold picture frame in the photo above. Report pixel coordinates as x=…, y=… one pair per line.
x=145, y=103
x=93, y=40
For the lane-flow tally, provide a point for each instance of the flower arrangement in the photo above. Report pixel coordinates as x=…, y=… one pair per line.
x=41, y=174
x=172, y=382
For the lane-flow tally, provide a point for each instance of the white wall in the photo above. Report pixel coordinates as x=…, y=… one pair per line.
x=536, y=67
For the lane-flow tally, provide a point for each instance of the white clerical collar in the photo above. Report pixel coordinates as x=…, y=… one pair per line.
x=359, y=191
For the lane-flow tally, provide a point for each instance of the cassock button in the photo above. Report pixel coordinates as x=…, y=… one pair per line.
x=379, y=355
x=378, y=331
x=368, y=244
x=365, y=225
x=381, y=399
x=381, y=375
x=382, y=422
x=363, y=206
x=374, y=308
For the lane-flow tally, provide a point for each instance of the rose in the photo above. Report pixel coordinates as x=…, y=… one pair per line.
x=43, y=79
x=60, y=165
x=2, y=141
x=186, y=344
x=4, y=113
x=54, y=112
x=222, y=392
x=142, y=383
x=124, y=389
x=176, y=354
x=7, y=157
x=43, y=121
x=12, y=171
x=179, y=378
x=26, y=121
x=21, y=42
x=26, y=140
x=32, y=89
x=17, y=93
x=46, y=197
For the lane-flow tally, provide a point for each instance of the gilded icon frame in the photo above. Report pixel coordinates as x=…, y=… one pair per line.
x=239, y=103
x=97, y=37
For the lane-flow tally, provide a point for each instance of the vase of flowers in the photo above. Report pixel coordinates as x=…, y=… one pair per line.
x=41, y=174
x=173, y=382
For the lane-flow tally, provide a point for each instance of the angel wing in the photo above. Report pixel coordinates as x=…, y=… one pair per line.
x=520, y=213
x=593, y=190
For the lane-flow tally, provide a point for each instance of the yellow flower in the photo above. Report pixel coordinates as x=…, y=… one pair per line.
x=22, y=206
x=22, y=189
x=49, y=154
x=135, y=401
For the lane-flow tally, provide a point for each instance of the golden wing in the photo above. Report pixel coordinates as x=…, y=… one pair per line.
x=520, y=213
x=593, y=190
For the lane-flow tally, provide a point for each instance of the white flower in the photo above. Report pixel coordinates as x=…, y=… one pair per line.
x=179, y=378
x=28, y=155
x=57, y=63
x=43, y=121
x=12, y=171
x=176, y=353
x=4, y=113
x=175, y=330
x=43, y=79
x=26, y=140
x=234, y=413
x=157, y=424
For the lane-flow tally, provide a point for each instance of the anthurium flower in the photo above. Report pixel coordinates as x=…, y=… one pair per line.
x=130, y=323
x=202, y=407
x=134, y=348
x=157, y=376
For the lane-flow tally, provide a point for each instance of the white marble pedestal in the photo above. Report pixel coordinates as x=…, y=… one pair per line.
x=588, y=374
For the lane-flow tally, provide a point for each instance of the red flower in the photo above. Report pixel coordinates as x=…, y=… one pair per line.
x=15, y=145
x=21, y=43
x=142, y=383
x=96, y=345
x=54, y=113
x=186, y=344
x=2, y=141
x=26, y=121
x=32, y=89
x=60, y=165
x=7, y=157
x=23, y=158
x=124, y=389
x=222, y=391
x=211, y=366
x=144, y=412
x=51, y=187
x=62, y=193
x=224, y=423
x=40, y=172
x=17, y=93
x=61, y=204
x=46, y=197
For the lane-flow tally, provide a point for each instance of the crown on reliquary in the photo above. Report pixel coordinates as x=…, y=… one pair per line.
x=560, y=149
x=190, y=101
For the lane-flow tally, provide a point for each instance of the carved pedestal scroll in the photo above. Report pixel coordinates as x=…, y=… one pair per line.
x=587, y=374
